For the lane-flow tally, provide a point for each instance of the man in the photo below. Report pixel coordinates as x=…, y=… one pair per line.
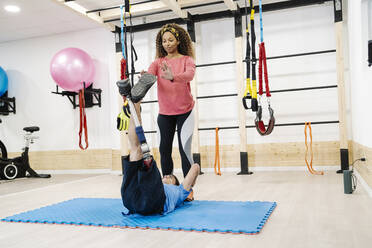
x=143, y=190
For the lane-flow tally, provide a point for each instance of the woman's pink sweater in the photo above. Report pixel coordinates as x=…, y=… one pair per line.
x=174, y=97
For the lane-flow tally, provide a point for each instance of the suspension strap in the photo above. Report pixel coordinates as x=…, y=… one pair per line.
x=260, y=126
x=254, y=104
x=251, y=88
x=123, y=33
x=124, y=50
x=133, y=53
x=248, y=89
x=217, y=156
x=261, y=23
x=310, y=164
x=262, y=59
x=262, y=67
x=124, y=28
x=83, y=120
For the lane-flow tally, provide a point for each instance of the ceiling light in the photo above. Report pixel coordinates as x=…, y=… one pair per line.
x=12, y=8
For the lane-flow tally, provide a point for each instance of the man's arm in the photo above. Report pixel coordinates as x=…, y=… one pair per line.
x=191, y=176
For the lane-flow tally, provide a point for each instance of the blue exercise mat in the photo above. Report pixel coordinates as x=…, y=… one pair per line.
x=204, y=216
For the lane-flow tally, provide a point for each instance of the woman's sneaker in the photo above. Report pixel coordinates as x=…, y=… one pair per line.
x=140, y=89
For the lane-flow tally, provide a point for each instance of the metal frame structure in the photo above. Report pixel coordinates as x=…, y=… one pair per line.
x=181, y=9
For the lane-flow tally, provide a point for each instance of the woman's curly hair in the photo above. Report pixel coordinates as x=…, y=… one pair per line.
x=185, y=47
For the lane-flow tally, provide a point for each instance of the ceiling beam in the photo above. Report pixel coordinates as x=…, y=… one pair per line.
x=147, y=8
x=175, y=7
x=192, y=2
x=275, y=6
x=231, y=5
x=72, y=5
x=135, y=10
x=186, y=4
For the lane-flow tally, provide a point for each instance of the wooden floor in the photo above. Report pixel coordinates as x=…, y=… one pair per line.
x=312, y=212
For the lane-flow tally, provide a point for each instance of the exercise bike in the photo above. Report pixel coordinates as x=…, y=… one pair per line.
x=11, y=168
x=3, y=152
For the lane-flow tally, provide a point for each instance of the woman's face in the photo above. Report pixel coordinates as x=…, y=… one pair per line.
x=170, y=43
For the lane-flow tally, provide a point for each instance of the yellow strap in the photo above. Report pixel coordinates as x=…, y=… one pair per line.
x=248, y=88
x=254, y=89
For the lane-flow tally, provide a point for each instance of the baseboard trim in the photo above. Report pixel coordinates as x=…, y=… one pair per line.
x=179, y=170
x=270, y=168
x=363, y=183
x=79, y=172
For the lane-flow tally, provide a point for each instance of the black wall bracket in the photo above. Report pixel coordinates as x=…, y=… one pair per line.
x=191, y=27
x=7, y=104
x=238, y=23
x=89, y=94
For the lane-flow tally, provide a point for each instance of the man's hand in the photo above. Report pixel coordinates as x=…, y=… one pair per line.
x=141, y=73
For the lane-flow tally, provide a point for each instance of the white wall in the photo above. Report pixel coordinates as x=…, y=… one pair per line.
x=27, y=65
x=360, y=73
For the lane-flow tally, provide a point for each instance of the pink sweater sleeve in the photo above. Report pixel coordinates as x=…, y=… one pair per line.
x=153, y=69
x=189, y=73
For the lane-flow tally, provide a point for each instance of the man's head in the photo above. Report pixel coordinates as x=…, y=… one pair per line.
x=171, y=179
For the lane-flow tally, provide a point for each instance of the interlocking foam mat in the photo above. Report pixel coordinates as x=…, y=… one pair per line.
x=202, y=216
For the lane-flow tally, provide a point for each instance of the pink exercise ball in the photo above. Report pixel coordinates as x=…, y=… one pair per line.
x=71, y=67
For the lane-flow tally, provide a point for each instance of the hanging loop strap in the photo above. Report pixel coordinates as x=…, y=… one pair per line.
x=124, y=47
x=248, y=90
x=263, y=66
x=254, y=103
x=217, y=156
x=244, y=100
x=262, y=69
x=310, y=164
x=83, y=120
x=133, y=53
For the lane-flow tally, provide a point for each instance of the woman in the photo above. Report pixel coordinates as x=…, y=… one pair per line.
x=175, y=68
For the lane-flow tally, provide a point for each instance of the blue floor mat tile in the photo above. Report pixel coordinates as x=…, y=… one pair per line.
x=203, y=216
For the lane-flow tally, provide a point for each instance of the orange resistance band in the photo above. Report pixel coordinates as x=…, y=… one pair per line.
x=310, y=165
x=217, y=156
x=83, y=120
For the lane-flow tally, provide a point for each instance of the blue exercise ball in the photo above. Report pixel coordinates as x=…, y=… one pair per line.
x=3, y=81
